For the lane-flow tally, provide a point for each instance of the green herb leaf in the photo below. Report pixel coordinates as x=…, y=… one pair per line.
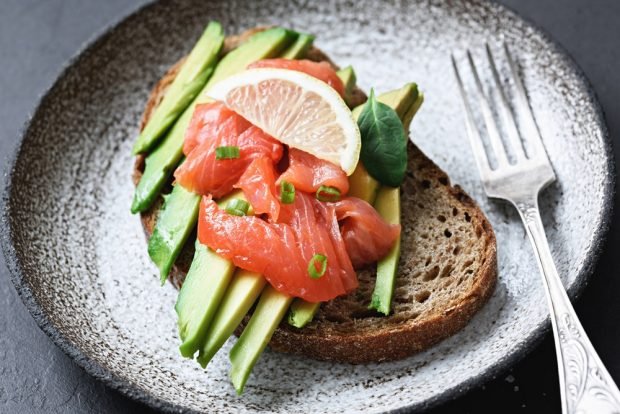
x=237, y=207
x=384, y=147
x=317, y=266
x=287, y=192
x=226, y=153
x=327, y=193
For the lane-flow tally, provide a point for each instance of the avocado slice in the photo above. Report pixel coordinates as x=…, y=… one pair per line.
x=204, y=286
x=192, y=77
x=299, y=49
x=163, y=160
x=361, y=184
x=348, y=78
x=201, y=293
x=399, y=100
x=412, y=111
x=174, y=225
x=237, y=301
x=271, y=308
x=302, y=312
x=387, y=204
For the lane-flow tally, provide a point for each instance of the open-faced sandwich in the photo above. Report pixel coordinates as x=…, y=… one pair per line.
x=292, y=210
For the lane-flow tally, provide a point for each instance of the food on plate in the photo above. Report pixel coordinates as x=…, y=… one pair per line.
x=320, y=229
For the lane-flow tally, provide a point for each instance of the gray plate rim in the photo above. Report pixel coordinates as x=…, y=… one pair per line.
x=132, y=391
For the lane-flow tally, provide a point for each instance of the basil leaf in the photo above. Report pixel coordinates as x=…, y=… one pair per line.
x=384, y=147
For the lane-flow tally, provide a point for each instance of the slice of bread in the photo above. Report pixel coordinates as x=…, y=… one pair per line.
x=448, y=266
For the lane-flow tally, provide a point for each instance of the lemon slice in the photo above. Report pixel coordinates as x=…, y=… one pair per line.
x=296, y=109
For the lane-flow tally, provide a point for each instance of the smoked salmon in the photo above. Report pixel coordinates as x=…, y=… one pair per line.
x=208, y=121
x=308, y=173
x=258, y=183
x=306, y=248
x=320, y=70
x=349, y=233
x=282, y=251
x=366, y=235
x=202, y=173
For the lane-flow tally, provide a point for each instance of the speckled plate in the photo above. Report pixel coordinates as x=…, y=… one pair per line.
x=79, y=260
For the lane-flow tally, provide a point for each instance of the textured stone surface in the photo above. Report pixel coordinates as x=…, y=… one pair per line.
x=100, y=171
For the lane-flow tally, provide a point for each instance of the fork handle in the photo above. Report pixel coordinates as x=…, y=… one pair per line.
x=585, y=384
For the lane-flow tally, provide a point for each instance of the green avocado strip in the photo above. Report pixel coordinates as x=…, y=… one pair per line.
x=299, y=49
x=399, y=100
x=207, y=279
x=302, y=312
x=204, y=286
x=187, y=84
x=388, y=207
x=270, y=310
x=171, y=231
x=408, y=117
x=348, y=78
x=241, y=294
x=387, y=204
x=160, y=164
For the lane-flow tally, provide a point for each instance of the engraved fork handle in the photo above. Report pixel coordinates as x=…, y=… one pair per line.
x=585, y=384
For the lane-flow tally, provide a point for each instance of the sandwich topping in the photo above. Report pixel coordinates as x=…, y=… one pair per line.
x=283, y=240
x=287, y=188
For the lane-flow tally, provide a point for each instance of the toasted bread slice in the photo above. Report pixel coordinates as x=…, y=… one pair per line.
x=448, y=266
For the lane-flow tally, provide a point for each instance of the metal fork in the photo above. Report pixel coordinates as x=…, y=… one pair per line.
x=585, y=384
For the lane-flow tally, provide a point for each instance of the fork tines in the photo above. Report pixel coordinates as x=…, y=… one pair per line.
x=512, y=136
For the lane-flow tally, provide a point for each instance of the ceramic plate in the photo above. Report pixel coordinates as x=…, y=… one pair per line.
x=79, y=259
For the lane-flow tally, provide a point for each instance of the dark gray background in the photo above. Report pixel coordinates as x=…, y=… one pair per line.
x=38, y=36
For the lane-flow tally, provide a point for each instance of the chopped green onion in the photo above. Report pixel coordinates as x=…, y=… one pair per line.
x=321, y=261
x=226, y=153
x=287, y=192
x=326, y=193
x=237, y=207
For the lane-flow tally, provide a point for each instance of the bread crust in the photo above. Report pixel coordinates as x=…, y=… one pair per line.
x=384, y=341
